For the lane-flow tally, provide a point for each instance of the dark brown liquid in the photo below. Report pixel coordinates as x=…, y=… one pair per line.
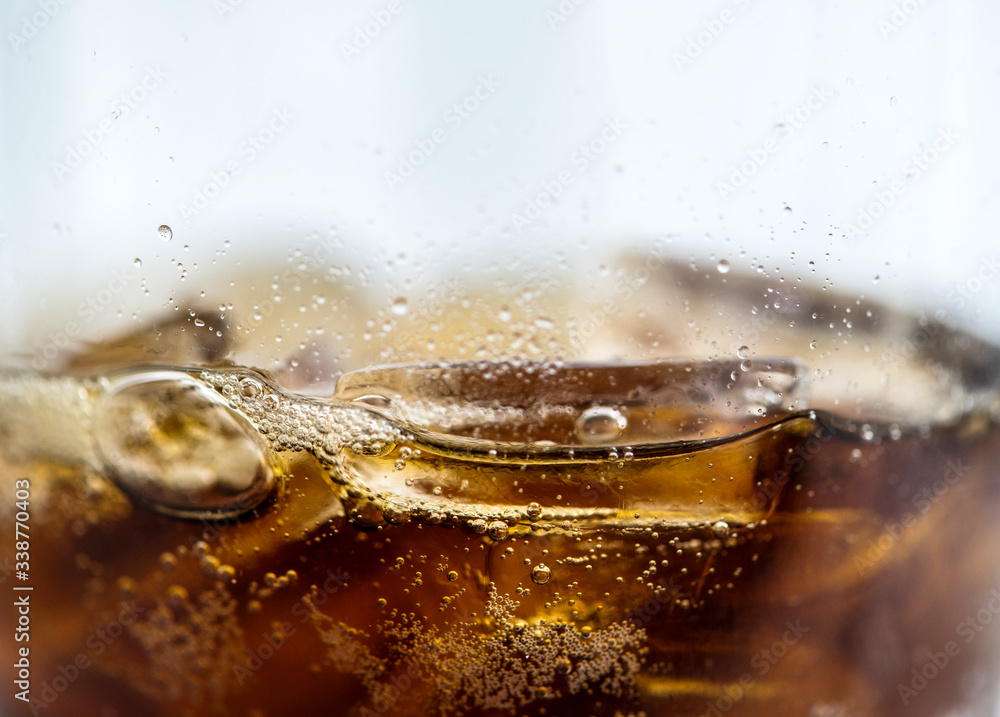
x=847, y=563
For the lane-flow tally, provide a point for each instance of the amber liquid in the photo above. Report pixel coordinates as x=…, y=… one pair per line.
x=805, y=567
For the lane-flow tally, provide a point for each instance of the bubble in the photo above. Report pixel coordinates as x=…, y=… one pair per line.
x=723, y=266
x=497, y=530
x=742, y=351
x=250, y=388
x=452, y=576
x=176, y=446
x=533, y=511
x=721, y=529
x=540, y=574
x=400, y=306
x=745, y=365
x=600, y=424
x=478, y=526
x=166, y=233
x=167, y=562
x=396, y=511
x=381, y=602
x=138, y=262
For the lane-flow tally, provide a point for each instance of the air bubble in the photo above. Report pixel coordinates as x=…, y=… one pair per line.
x=600, y=424
x=165, y=232
x=540, y=574
x=743, y=351
x=250, y=388
x=533, y=511
x=177, y=447
x=452, y=576
x=497, y=530
x=400, y=306
x=723, y=266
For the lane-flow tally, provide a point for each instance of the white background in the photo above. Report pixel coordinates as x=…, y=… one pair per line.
x=563, y=71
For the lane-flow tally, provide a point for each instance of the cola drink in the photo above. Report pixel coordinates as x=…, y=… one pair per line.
x=718, y=535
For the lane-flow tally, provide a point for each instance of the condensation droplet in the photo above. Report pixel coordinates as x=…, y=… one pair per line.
x=742, y=351
x=138, y=262
x=540, y=574
x=166, y=233
x=400, y=306
x=600, y=424
x=723, y=266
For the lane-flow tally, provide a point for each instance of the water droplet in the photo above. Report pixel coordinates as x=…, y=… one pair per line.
x=166, y=233
x=540, y=574
x=745, y=365
x=600, y=424
x=138, y=262
x=400, y=306
x=742, y=351
x=533, y=511
x=723, y=266
x=452, y=576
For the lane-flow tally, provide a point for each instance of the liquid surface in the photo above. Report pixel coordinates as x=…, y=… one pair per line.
x=667, y=537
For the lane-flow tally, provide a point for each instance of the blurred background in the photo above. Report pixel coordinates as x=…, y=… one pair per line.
x=322, y=169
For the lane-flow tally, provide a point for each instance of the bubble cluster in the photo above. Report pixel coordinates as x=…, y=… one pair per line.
x=463, y=668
